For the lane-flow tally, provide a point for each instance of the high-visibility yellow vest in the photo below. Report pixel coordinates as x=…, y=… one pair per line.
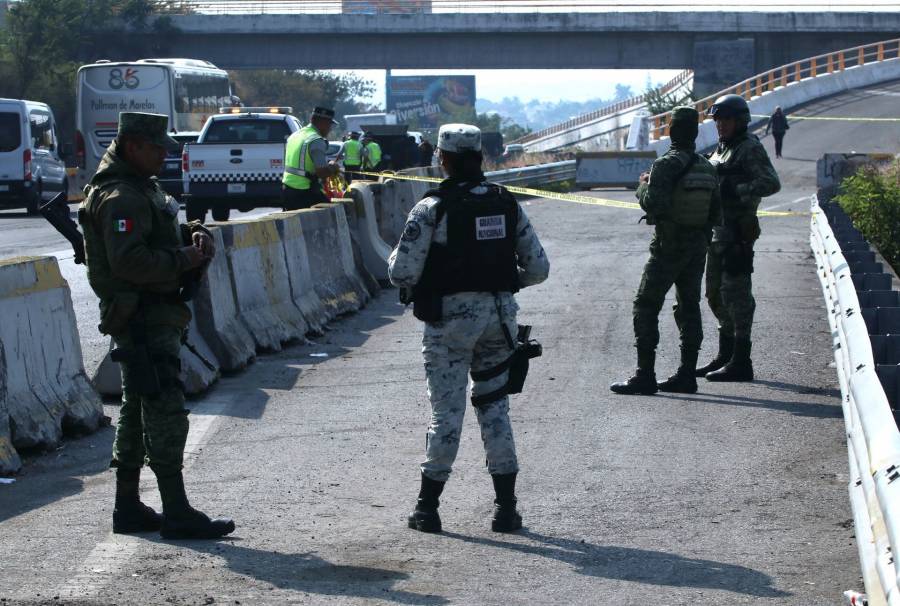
x=374, y=154
x=299, y=169
x=352, y=152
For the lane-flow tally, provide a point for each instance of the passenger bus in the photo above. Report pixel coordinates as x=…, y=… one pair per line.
x=186, y=90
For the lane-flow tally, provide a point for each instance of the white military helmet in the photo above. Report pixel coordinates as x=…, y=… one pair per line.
x=458, y=138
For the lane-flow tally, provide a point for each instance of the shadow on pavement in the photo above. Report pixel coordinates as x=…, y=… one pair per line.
x=309, y=573
x=800, y=409
x=638, y=565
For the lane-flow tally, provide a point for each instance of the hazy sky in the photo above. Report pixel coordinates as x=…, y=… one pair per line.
x=543, y=85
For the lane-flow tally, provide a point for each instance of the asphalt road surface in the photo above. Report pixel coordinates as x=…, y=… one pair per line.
x=736, y=495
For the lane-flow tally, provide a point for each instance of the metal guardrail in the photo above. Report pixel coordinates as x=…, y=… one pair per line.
x=609, y=110
x=872, y=436
x=820, y=65
x=534, y=175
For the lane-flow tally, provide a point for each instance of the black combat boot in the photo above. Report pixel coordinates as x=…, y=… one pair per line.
x=726, y=350
x=739, y=369
x=425, y=517
x=644, y=380
x=180, y=520
x=506, y=518
x=684, y=380
x=130, y=516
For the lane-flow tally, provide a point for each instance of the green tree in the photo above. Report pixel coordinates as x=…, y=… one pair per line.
x=660, y=103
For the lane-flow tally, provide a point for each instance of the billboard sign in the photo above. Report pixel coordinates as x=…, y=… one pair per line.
x=429, y=101
x=393, y=7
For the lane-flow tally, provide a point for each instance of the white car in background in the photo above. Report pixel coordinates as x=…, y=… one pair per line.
x=32, y=169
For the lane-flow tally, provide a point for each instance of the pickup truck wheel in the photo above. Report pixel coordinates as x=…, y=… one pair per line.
x=221, y=214
x=195, y=211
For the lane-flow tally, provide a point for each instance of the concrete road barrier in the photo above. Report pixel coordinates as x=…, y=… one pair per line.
x=355, y=224
x=261, y=286
x=216, y=314
x=375, y=251
x=45, y=391
x=200, y=368
x=393, y=197
x=330, y=255
x=303, y=291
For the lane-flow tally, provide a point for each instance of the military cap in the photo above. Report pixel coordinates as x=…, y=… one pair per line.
x=151, y=127
x=323, y=112
x=459, y=138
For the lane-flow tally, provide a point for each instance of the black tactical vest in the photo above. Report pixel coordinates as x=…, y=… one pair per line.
x=480, y=254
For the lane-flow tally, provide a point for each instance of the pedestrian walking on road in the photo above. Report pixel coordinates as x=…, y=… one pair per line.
x=138, y=259
x=746, y=176
x=779, y=125
x=306, y=163
x=467, y=247
x=680, y=195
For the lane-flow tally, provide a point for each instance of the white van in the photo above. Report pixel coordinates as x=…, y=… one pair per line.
x=32, y=170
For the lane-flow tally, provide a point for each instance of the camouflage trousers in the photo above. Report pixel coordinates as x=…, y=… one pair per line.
x=676, y=259
x=153, y=429
x=469, y=338
x=730, y=294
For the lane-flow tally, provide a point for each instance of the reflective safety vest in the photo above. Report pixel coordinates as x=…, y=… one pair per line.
x=352, y=152
x=374, y=157
x=694, y=192
x=299, y=169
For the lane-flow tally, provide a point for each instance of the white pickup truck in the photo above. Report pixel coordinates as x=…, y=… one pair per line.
x=237, y=162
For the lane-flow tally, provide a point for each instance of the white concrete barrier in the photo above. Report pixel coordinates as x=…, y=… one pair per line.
x=355, y=224
x=216, y=314
x=375, y=251
x=43, y=387
x=330, y=256
x=261, y=286
x=303, y=291
x=200, y=368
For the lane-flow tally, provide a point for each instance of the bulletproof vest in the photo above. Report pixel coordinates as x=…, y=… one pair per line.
x=480, y=253
x=694, y=192
x=727, y=160
x=166, y=233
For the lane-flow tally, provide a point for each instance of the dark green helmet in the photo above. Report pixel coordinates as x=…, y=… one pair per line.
x=731, y=106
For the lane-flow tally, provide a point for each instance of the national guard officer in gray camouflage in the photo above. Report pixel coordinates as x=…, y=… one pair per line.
x=467, y=248
x=681, y=198
x=746, y=175
x=137, y=259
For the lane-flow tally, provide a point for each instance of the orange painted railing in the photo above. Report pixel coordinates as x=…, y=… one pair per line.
x=609, y=110
x=828, y=63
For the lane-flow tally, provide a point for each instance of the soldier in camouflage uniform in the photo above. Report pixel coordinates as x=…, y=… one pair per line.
x=746, y=176
x=137, y=257
x=681, y=198
x=466, y=249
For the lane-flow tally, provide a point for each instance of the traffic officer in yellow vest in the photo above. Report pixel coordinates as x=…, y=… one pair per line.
x=351, y=153
x=371, y=153
x=306, y=163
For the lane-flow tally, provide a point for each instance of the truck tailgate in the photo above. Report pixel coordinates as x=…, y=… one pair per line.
x=233, y=163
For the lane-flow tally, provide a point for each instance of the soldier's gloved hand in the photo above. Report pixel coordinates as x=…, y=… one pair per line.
x=205, y=243
x=645, y=177
x=193, y=255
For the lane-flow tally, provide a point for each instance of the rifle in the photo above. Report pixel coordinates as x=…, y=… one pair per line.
x=56, y=211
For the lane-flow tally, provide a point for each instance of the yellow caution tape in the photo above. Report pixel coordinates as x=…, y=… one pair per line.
x=552, y=195
x=833, y=118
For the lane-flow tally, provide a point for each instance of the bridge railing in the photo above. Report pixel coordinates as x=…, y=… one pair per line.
x=828, y=63
x=609, y=110
x=872, y=437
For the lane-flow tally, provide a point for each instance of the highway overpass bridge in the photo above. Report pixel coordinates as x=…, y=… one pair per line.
x=721, y=47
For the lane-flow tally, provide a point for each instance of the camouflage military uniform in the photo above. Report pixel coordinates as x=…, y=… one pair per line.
x=468, y=338
x=746, y=175
x=132, y=237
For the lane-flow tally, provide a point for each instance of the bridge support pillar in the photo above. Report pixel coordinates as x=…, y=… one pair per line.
x=722, y=63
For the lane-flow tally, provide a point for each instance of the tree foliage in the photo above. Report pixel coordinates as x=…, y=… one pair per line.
x=871, y=198
x=659, y=102
x=493, y=122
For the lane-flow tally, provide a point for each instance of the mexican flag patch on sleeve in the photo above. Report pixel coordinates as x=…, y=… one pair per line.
x=123, y=226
